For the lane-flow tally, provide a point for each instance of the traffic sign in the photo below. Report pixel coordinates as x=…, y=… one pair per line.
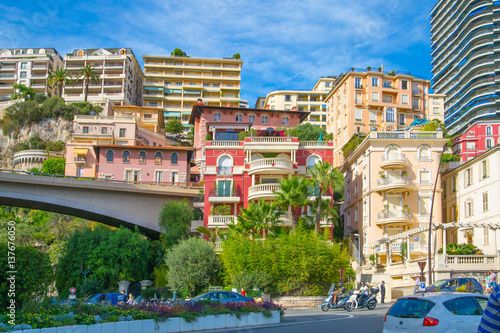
x=422, y=286
x=72, y=290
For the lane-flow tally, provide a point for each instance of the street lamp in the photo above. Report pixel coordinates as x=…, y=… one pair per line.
x=85, y=273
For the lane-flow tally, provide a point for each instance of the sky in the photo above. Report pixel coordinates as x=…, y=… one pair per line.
x=284, y=45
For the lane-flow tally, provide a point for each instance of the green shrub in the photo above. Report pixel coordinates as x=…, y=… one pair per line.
x=221, y=210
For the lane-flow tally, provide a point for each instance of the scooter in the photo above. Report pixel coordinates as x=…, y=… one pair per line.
x=370, y=303
x=327, y=305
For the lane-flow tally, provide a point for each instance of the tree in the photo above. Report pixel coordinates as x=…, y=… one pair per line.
x=322, y=174
x=236, y=56
x=54, y=166
x=257, y=217
x=178, y=53
x=22, y=92
x=449, y=158
x=89, y=75
x=175, y=222
x=307, y=132
x=433, y=125
x=59, y=77
x=293, y=194
x=191, y=263
x=174, y=126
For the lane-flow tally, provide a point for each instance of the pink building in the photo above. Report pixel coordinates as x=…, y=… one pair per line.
x=478, y=138
x=237, y=172
x=168, y=164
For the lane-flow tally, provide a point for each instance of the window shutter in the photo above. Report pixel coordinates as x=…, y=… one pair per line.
x=472, y=207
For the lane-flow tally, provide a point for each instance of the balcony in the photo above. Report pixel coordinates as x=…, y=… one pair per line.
x=396, y=248
x=273, y=166
x=81, y=160
x=394, y=161
x=394, y=184
x=393, y=218
x=221, y=220
x=272, y=144
x=8, y=68
x=263, y=191
x=221, y=196
x=199, y=201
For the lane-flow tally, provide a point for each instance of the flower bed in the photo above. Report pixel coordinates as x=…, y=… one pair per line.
x=81, y=317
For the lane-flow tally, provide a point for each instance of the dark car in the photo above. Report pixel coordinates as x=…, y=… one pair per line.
x=451, y=285
x=110, y=298
x=221, y=296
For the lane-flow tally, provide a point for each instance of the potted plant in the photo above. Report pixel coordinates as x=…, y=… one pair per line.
x=368, y=68
x=382, y=174
x=404, y=173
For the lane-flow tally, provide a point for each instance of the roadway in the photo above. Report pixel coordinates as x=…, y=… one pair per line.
x=315, y=320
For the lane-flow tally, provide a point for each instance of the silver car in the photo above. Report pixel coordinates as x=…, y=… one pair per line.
x=436, y=312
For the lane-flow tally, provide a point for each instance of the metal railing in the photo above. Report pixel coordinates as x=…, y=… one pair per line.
x=224, y=170
x=235, y=192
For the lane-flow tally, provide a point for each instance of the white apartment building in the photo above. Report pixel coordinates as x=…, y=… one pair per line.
x=312, y=101
x=175, y=83
x=30, y=66
x=120, y=76
x=470, y=191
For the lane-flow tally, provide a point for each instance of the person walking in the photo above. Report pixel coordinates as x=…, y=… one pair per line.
x=243, y=293
x=382, y=291
x=417, y=284
x=490, y=321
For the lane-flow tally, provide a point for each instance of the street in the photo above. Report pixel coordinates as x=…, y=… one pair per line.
x=315, y=320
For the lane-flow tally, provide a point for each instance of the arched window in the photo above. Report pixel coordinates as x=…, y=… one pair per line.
x=173, y=158
x=389, y=115
x=126, y=157
x=424, y=153
x=142, y=157
x=489, y=130
x=109, y=156
x=392, y=153
x=284, y=120
x=311, y=161
x=239, y=117
x=123, y=51
x=158, y=158
x=217, y=116
x=41, y=51
x=225, y=165
x=80, y=53
x=251, y=118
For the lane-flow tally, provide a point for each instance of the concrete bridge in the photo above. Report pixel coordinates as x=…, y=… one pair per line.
x=111, y=203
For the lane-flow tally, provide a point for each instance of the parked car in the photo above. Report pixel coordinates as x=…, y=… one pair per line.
x=452, y=285
x=436, y=312
x=110, y=298
x=221, y=296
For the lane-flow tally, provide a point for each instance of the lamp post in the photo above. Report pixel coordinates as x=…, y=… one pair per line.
x=429, y=241
x=85, y=273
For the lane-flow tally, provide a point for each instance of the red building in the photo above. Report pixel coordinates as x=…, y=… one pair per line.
x=478, y=138
x=236, y=171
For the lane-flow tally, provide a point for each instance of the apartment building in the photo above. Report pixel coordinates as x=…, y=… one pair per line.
x=30, y=67
x=237, y=172
x=312, y=101
x=469, y=193
x=260, y=103
x=363, y=99
x=465, y=40
x=120, y=76
x=176, y=83
x=477, y=138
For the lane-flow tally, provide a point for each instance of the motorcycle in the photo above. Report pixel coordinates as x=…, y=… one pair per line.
x=370, y=303
x=340, y=303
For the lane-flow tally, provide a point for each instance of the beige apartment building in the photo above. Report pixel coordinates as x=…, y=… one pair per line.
x=312, y=101
x=363, y=99
x=176, y=83
x=120, y=76
x=30, y=67
x=388, y=187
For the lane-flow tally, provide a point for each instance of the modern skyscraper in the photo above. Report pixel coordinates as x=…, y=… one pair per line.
x=465, y=43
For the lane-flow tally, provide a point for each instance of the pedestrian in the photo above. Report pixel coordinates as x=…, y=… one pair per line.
x=243, y=293
x=382, y=291
x=490, y=321
x=122, y=298
x=490, y=282
x=130, y=299
x=417, y=284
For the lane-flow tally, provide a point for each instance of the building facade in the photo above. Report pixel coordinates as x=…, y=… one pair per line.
x=477, y=138
x=464, y=46
x=312, y=101
x=30, y=67
x=120, y=76
x=363, y=99
x=237, y=172
x=176, y=83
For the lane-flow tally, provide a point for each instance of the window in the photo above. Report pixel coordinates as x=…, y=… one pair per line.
x=374, y=81
x=387, y=84
x=225, y=166
x=288, y=98
x=142, y=157
x=356, y=189
x=355, y=213
x=485, y=169
x=489, y=130
x=416, y=103
x=109, y=156
x=23, y=75
x=328, y=84
x=158, y=158
x=251, y=119
x=357, y=83
x=402, y=119
x=238, y=118
x=158, y=176
x=468, y=177
x=126, y=157
x=486, y=233
x=463, y=306
x=424, y=153
x=389, y=115
x=435, y=110
x=489, y=143
x=485, y=201
x=264, y=119
x=365, y=208
x=104, y=130
x=424, y=177
x=85, y=129
x=469, y=208
x=453, y=184
x=444, y=189
x=373, y=116
x=24, y=65
x=358, y=99
x=224, y=188
x=122, y=132
x=411, y=308
x=375, y=96
x=284, y=121
x=404, y=84
x=387, y=98
x=173, y=158
x=404, y=100
x=425, y=206
x=217, y=116
x=153, y=104
x=358, y=115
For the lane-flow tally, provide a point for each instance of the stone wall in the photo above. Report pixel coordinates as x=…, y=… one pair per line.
x=291, y=302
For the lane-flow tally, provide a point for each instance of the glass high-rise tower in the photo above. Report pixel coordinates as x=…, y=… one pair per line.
x=466, y=60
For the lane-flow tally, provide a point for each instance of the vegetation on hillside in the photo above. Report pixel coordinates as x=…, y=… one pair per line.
x=308, y=132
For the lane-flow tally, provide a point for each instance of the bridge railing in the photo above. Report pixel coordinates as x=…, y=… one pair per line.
x=164, y=184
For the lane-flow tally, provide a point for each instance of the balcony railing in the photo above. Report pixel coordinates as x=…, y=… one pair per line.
x=235, y=192
x=225, y=143
x=394, y=214
x=313, y=143
x=271, y=165
x=397, y=161
x=406, y=135
x=271, y=139
x=224, y=170
x=262, y=190
x=81, y=159
x=393, y=181
x=222, y=220
x=398, y=157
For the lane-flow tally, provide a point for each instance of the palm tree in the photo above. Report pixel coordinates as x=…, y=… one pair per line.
x=257, y=217
x=22, y=92
x=326, y=209
x=59, y=77
x=293, y=193
x=212, y=234
x=322, y=174
x=89, y=75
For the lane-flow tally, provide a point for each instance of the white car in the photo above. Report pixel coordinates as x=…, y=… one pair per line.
x=436, y=312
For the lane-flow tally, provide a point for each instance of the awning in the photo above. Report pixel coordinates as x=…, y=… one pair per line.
x=194, y=92
x=153, y=88
x=173, y=91
x=80, y=151
x=171, y=114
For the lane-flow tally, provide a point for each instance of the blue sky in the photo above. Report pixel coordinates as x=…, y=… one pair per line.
x=285, y=44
